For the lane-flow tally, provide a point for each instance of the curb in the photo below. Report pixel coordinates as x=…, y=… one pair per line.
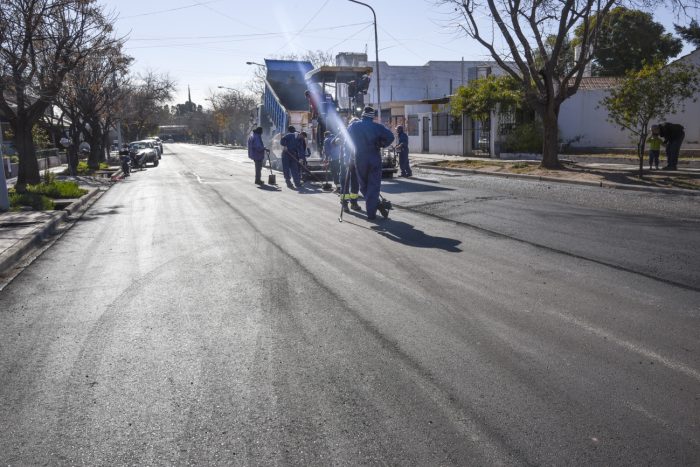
x=12, y=255
x=539, y=178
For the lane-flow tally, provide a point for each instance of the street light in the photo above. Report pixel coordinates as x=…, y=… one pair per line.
x=254, y=63
x=376, y=57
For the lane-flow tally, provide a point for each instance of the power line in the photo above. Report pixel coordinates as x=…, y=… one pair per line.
x=168, y=10
x=260, y=34
x=304, y=27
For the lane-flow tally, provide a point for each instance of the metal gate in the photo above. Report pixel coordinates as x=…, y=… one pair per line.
x=426, y=134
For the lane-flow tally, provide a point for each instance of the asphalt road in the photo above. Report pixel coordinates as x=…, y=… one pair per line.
x=191, y=317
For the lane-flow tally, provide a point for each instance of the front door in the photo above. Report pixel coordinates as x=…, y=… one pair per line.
x=426, y=134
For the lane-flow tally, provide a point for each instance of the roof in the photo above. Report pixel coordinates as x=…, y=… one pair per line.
x=341, y=74
x=591, y=83
x=439, y=100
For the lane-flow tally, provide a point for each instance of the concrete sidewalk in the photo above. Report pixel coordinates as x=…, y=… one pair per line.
x=609, y=175
x=22, y=232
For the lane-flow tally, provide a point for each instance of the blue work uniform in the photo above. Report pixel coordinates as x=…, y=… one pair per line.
x=368, y=138
x=403, y=155
x=256, y=151
x=331, y=155
x=349, y=184
x=290, y=158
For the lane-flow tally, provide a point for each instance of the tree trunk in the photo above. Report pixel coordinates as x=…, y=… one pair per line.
x=95, y=141
x=28, y=165
x=550, y=146
x=640, y=152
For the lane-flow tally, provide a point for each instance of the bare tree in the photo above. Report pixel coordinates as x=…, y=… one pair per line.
x=143, y=103
x=232, y=112
x=93, y=91
x=41, y=41
x=536, y=35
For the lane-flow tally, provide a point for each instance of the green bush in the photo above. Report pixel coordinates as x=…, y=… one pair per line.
x=57, y=189
x=526, y=137
x=36, y=201
x=83, y=168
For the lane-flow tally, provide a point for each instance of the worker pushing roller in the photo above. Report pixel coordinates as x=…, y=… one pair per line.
x=367, y=138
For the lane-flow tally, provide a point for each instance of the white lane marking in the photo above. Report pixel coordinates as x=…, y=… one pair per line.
x=631, y=346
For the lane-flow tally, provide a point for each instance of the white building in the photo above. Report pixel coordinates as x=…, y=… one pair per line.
x=583, y=122
x=417, y=97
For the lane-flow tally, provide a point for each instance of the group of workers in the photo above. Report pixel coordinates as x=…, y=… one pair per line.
x=353, y=158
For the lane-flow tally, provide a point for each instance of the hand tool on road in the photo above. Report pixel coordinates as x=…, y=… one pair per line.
x=271, y=179
x=326, y=186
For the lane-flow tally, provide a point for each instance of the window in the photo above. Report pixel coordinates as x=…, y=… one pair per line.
x=440, y=124
x=412, y=126
x=444, y=124
x=397, y=120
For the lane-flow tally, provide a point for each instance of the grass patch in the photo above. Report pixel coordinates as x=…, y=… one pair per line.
x=38, y=202
x=57, y=189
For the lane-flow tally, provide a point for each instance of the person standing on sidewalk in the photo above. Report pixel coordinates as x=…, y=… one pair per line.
x=402, y=148
x=672, y=134
x=290, y=158
x=368, y=138
x=654, y=147
x=256, y=152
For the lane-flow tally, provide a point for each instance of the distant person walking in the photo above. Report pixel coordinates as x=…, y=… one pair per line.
x=672, y=134
x=256, y=152
x=402, y=148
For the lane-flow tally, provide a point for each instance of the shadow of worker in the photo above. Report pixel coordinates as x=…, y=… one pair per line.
x=406, y=234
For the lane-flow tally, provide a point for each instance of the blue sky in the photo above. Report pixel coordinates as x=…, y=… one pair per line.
x=205, y=43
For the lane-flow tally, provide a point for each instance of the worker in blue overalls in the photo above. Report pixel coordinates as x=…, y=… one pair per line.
x=331, y=157
x=349, y=186
x=290, y=158
x=402, y=149
x=368, y=138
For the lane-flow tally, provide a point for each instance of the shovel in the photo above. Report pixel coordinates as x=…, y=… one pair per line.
x=326, y=186
x=271, y=179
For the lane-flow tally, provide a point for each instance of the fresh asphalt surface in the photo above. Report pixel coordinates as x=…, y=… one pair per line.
x=191, y=317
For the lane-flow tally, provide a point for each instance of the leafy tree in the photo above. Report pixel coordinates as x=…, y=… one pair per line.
x=41, y=41
x=142, y=104
x=540, y=67
x=481, y=96
x=650, y=94
x=690, y=33
x=627, y=39
x=231, y=111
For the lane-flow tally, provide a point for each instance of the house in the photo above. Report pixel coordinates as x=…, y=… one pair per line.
x=583, y=122
x=417, y=97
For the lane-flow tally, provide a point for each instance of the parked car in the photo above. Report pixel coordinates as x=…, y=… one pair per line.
x=144, y=147
x=156, y=144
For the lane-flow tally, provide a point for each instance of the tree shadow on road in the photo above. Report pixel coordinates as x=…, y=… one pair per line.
x=405, y=233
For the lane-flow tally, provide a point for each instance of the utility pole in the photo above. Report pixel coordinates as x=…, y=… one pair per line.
x=4, y=199
x=376, y=57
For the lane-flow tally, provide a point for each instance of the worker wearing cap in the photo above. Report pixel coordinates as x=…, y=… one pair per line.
x=367, y=139
x=290, y=158
x=402, y=149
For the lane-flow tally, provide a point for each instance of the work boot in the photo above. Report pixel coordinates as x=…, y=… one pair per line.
x=354, y=206
x=345, y=207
